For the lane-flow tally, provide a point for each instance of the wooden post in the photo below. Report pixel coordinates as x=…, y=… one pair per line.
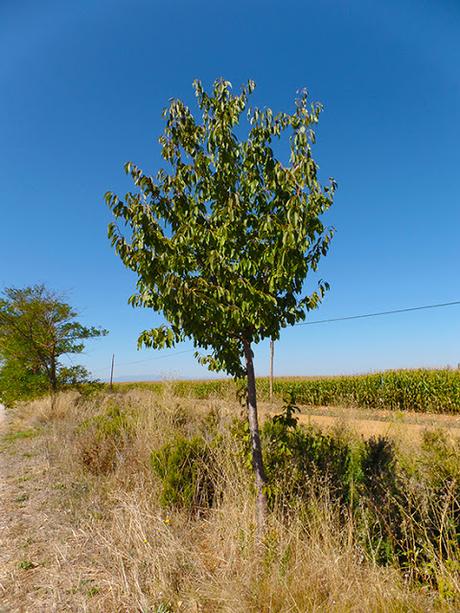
x=272, y=351
x=111, y=373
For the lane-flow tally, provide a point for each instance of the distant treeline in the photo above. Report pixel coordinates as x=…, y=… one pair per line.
x=429, y=391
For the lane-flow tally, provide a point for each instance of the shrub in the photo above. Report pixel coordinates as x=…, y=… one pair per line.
x=302, y=461
x=404, y=509
x=102, y=439
x=185, y=468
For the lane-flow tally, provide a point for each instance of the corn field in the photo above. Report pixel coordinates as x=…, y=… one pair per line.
x=429, y=391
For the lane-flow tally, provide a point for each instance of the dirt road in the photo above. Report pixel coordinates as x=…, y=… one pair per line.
x=22, y=521
x=407, y=426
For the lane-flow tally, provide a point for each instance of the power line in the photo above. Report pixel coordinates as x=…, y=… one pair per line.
x=417, y=308
x=310, y=323
x=159, y=357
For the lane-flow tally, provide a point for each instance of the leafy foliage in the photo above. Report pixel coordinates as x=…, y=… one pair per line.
x=36, y=329
x=404, y=512
x=17, y=382
x=223, y=238
x=185, y=469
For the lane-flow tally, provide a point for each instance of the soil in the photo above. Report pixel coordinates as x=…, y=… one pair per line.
x=407, y=426
x=24, y=531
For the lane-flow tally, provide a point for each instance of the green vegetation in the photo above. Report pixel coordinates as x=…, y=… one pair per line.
x=22, y=498
x=425, y=391
x=436, y=391
x=223, y=238
x=185, y=467
x=14, y=436
x=402, y=509
x=26, y=565
x=36, y=329
x=102, y=437
x=405, y=511
x=168, y=488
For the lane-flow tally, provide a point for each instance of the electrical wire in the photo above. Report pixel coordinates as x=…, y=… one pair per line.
x=159, y=357
x=378, y=314
x=311, y=323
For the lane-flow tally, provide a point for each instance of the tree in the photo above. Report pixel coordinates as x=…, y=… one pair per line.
x=36, y=329
x=222, y=239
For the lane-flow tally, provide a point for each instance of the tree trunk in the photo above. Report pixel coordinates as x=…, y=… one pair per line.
x=256, y=448
x=53, y=377
x=272, y=351
x=53, y=382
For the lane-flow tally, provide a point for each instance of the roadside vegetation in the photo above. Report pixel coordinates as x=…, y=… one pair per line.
x=149, y=500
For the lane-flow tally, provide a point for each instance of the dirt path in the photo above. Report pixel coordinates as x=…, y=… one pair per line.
x=5, y=515
x=381, y=423
x=11, y=518
x=24, y=533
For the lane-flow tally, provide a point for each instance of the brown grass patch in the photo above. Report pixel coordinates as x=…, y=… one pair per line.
x=98, y=539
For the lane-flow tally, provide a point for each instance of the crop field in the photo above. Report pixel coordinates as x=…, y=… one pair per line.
x=423, y=391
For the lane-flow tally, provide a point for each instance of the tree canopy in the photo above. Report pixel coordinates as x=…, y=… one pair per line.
x=223, y=237
x=36, y=329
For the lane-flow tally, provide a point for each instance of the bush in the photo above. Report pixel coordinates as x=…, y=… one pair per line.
x=300, y=461
x=102, y=439
x=20, y=384
x=185, y=468
x=405, y=510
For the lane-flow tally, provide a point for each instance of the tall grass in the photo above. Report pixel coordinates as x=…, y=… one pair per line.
x=121, y=545
x=430, y=391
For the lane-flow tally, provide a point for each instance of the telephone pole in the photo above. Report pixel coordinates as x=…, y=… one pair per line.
x=111, y=372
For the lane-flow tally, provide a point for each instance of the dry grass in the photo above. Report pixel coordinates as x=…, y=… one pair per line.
x=99, y=541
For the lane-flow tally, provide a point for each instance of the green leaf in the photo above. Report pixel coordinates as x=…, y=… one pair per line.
x=225, y=235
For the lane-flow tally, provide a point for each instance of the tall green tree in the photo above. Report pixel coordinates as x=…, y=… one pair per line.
x=223, y=237
x=36, y=329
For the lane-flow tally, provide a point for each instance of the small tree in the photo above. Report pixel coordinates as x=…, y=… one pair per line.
x=36, y=329
x=223, y=238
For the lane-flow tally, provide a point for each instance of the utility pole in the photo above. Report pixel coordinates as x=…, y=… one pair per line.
x=272, y=351
x=111, y=372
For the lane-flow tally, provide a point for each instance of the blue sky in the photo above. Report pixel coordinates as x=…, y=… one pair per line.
x=82, y=86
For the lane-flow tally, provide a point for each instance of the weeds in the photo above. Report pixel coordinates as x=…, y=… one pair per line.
x=26, y=565
x=103, y=438
x=355, y=525
x=184, y=467
x=20, y=434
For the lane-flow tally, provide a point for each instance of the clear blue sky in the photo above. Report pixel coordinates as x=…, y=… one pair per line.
x=82, y=89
